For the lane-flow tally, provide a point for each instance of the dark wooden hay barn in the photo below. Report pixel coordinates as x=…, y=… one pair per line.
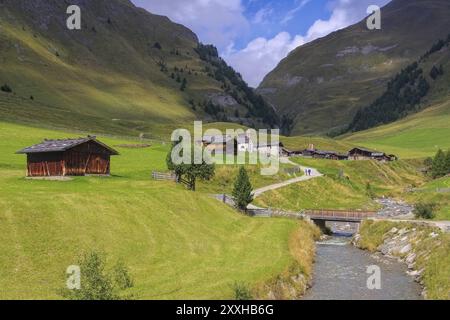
x=68, y=157
x=365, y=154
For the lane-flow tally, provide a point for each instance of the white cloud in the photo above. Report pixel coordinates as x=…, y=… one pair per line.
x=262, y=15
x=291, y=13
x=344, y=13
x=262, y=55
x=215, y=21
x=222, y=22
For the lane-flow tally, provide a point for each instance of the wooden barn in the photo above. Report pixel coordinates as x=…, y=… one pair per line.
x=365, y=154
x=68, y=157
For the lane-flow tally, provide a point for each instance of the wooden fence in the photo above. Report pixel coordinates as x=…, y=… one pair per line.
x=293, y=170
x=162, y=176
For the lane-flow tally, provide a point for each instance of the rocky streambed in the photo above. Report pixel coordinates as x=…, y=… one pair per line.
x=392, y=208
x=341, y=273
x=409, y=245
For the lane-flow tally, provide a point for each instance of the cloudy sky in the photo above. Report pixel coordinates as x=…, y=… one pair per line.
x=254, y=35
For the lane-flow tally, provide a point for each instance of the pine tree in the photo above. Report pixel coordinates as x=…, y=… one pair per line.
x=242, y=192
x=439, y=164
x=183, y=84
x=447, y=163
x=6, y=88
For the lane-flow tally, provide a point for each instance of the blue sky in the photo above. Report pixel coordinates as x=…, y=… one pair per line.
x=254, y=35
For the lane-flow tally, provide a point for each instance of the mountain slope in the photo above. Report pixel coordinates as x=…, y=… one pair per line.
x=323, y=83
x=417, y=136
x=123, y=72
x=427, y=128
x=410, y=90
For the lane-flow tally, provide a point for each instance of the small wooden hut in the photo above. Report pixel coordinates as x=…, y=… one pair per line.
x=68, y=157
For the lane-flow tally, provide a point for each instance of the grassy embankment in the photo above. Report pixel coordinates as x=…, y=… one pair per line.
x=177, y=244
x=344, y=185
x=436, y=192
x=433, y=253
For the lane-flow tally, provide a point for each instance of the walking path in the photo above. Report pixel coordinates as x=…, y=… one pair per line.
x=392, y=210
x=314, y=174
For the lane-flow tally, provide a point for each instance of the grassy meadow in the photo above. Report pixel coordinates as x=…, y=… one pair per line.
x=177, y=244
x=417, y=136
x=344, y=185
x=429, y=193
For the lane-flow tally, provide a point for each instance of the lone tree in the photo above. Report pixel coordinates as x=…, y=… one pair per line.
x=439, y=168
x=189, y=173
x=183, y=84
x=242, y=192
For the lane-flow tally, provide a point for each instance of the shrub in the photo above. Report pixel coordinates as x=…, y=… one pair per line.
x=369, y=191
x=242, y=291
x=6, y=88
x=97, y=283
x=424, y=210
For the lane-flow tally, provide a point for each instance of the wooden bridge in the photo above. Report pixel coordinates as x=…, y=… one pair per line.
x=340, y=215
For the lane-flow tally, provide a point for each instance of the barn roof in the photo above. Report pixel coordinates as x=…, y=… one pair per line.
x=270, y=144
x=63, y=145
x=364, y=150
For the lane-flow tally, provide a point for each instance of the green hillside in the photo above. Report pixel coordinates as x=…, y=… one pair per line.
x=426, y=129
x=122, y=73
x=177, y=244
x=417, y=136
x=344, y=185
x=322, y=84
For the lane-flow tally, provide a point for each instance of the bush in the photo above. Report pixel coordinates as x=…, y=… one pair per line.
x=6, y=88
x=97, y=283
x=424, y=210
x=242, y=291
x=369, y=191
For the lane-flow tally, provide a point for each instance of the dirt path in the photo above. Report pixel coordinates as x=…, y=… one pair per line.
x=314, y=174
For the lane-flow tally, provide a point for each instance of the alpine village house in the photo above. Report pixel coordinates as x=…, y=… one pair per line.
x=69, y=157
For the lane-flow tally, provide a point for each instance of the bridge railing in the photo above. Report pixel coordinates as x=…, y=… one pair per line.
x=341, y=214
